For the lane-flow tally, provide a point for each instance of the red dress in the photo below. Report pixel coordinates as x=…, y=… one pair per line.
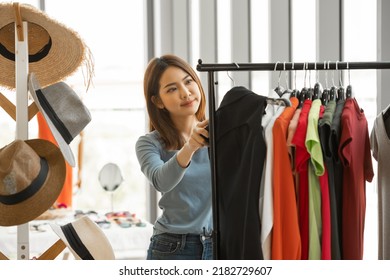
x=355, y=154
x=301, y=162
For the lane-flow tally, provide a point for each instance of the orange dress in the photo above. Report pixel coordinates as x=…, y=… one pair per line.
x=286, y=240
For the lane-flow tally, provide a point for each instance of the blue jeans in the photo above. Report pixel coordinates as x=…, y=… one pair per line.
x=169, y=246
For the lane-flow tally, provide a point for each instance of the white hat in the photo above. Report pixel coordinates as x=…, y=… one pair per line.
x=85, y=239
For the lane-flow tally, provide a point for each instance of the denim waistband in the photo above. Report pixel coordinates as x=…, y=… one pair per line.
x=189, y=237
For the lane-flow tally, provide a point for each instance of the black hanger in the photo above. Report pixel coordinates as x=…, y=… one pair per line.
x=333, y=93
x=333, y=90
x=325, y=97
x=317, y=91
x=348, y=93
x=338, y=93
x=301, y=97
x=295, y=92
x=341, y=93
x=310, y=94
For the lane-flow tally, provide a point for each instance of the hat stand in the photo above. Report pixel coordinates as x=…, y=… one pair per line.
x=22, y=117
x=21, y=72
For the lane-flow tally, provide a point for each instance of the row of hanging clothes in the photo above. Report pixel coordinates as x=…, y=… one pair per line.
x=291, y=176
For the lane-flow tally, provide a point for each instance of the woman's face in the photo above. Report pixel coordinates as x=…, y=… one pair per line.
x=179, y=93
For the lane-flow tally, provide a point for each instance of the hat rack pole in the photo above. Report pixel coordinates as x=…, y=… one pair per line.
x=21, y=72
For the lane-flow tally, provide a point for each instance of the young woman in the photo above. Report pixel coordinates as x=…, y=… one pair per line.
x=174, y=158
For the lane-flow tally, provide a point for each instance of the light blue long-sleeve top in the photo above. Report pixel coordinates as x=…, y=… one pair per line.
x=185, y=192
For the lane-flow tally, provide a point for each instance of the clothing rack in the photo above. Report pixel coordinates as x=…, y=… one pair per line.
x=211, y=68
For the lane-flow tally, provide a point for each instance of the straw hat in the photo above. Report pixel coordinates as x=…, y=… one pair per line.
x=85, y=239
x=32, y=174
x=63, y=111
x=55, y=51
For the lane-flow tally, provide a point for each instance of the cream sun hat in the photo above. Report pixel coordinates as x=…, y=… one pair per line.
x=85, y=239
x=55, y=51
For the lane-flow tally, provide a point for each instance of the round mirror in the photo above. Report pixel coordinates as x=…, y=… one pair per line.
x=110, y=177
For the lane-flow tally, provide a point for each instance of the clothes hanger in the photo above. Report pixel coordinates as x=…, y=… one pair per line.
x=341, y=90
x=310, y=90
x=349, y=87
x=287, y=90
x=279, y=89
x=333, y=89
x=317, y=90
x=304, y=89
x=278, y=101
x=302, y=95
x=325, y=94
x=231, y=79
x=295, y=92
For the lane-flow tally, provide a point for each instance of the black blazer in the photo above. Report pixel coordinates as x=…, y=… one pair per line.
x=240, y=155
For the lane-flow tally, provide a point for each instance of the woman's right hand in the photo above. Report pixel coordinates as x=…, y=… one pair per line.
x=200, y=135
x=198, y=139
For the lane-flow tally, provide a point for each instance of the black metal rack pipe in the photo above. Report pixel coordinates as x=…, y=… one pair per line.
x=287, y=66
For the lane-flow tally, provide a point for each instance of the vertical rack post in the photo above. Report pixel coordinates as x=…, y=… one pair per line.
x=21, y=72
x=213, y=163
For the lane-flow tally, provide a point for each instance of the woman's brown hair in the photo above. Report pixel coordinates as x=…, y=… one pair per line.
x=159, y=119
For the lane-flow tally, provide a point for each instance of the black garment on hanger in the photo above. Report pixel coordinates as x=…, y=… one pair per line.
x=335, y=134
x=324, y=130
x=386, y=121
x=240, y=156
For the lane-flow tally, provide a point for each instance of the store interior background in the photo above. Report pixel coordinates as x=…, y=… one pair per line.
x=123, y=35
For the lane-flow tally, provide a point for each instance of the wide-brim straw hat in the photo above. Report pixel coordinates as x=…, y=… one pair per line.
x=32, y=175
x=55, y=51
x=85, y=239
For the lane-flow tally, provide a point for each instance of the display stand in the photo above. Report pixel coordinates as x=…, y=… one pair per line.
x=21, y=72
x=22, y=117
